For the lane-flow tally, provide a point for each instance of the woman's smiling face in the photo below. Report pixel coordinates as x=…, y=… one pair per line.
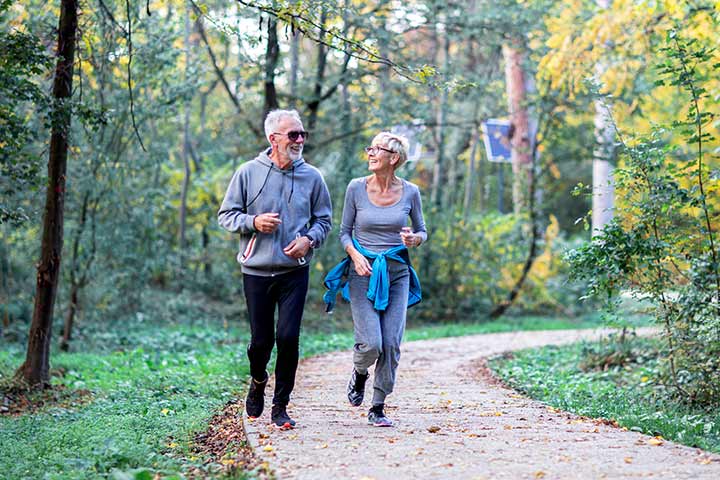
x=380, y=157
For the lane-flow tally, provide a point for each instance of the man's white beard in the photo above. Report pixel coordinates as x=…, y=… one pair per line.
x=292, y=155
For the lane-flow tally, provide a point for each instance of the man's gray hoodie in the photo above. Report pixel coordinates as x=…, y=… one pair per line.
x=298, y=194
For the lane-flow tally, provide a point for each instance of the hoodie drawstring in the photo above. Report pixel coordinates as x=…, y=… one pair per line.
x=292, y=185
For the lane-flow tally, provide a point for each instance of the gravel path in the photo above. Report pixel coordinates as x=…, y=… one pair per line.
x=452, y=423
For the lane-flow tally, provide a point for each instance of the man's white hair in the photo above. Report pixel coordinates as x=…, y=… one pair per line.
x=274, y=117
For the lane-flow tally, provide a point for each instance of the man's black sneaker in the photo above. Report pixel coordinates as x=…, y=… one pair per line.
x=280, y=418
x=356, y=388
x=255, y=400
x=377, y=418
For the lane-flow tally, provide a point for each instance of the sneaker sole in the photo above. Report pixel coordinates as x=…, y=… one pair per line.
x=284, y=426
x=381, y=425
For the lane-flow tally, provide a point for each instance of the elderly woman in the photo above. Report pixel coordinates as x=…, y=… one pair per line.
x=382, y=283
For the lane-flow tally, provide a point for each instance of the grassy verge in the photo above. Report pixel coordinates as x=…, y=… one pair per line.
x=624, y=393
x=152, y=387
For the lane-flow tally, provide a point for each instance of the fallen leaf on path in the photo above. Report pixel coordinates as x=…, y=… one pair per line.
x=320, y=447
x=539, y=474
x=268, y=448
x=655, y=442
x=628, y=460
x=433, y=429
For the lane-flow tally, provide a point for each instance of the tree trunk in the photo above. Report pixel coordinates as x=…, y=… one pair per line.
x=35, y=371
x=535, y=233
x=603, y=192
x=182, y=241
x=294, y=65
x=314, y=104
x=439, y=173
x=470, y=175
x=74, y=265
x=70, y=318
x=520, y=141
x=272, y=53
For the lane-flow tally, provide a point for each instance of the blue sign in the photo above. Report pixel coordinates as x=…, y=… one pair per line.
x=496, y=134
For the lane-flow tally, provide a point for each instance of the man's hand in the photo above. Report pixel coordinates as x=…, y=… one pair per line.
x=266, y=222
x=297, y=248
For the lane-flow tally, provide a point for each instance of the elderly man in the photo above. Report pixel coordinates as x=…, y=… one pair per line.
x=281, y=207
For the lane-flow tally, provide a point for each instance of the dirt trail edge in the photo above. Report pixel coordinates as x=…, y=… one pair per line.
x=451, y=423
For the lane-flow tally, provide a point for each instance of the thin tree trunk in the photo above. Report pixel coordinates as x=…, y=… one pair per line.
x=314, y=104
x=182, y=241
x=35, y=371
x=294, y=65
x=520, y=142
x=501, y=308
x=603, y=198
x=439, y=167
x=272, y=54
x=70, y=318
x=72, y=306
x=470, y=175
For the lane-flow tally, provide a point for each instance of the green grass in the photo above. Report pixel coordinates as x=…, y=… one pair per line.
x=625, y=394
x=154, y=386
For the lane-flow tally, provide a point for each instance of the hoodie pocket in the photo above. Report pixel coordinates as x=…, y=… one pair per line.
x=249, y=249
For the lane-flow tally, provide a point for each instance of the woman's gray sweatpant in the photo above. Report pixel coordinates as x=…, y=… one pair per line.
x=378, y=334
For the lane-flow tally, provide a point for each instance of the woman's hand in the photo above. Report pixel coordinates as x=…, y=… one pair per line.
x=409, y=239
x=362, y=266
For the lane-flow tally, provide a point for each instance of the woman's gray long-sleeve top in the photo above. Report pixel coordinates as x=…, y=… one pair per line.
x=378, y=228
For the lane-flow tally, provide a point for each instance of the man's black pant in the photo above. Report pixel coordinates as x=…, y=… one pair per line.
x=262, y=294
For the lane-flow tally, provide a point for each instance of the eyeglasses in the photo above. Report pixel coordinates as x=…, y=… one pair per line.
x=376, y=148
x=294, y=134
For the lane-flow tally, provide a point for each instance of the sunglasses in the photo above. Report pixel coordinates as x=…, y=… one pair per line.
x=294, y=135
x=376, y=148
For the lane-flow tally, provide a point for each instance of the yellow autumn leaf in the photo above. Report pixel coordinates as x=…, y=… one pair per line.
x=268, y=448
x=165, y=411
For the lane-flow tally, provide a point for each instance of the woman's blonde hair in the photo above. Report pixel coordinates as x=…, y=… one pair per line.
x=397, y=143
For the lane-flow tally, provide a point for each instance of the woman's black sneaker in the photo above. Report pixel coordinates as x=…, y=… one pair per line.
x=377, y=418
x=255, y=400
x=356, y=388
x=280, y=418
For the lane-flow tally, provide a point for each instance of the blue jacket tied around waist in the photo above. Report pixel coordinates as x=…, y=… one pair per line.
x=379, y=288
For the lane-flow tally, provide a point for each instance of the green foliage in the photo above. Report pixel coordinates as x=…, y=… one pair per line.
x=22, y=60
x=661, y=246
x=152, y=388
x=469, y=267
x=628, y=393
